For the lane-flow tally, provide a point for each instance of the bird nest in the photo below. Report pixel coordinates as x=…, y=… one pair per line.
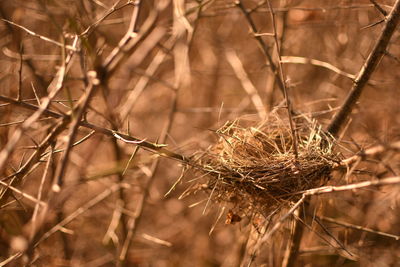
x=255, y=168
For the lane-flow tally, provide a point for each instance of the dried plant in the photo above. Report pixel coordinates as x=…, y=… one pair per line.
x=102, y=104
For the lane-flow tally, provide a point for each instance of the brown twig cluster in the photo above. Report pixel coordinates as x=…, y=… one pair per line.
x=94, y=97
x=255, y=168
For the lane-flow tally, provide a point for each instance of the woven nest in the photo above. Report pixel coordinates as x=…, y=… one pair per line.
x=255, y=169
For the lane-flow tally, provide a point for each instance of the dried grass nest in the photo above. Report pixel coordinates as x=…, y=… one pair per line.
x=254, y=167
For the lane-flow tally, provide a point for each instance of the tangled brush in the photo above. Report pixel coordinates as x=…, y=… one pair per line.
x=255, y=168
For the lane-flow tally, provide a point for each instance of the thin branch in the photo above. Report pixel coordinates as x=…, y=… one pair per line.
x=135, y=221
x=283, y=79
x=11, y=258
x=247, y=85
x=23, y=194
x=378, y=7
x=144, y=80
x=130, y=40
x=358, y=227
x=30, y=164
x=83, y=103
x=283, y=218
x=263, y=45
x=331, y=189
x=376, y=150
x=316, y=62
x=366, y=71
x=324, y=239
x=293, y=247
x=89, y=204
x=277, y=225
x=40, y=190
x=16, y=43
x=295, y=240
x=69, y=47
x=322, y=190
x=55, y=88
x=109, y=12
x=21, y=51
x=154, y=147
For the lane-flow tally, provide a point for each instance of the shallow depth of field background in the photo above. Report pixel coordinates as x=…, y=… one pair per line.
x=194, y=89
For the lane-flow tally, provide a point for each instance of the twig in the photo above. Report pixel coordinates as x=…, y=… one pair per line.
x=283, y=218
x=366, y=71
x=40, y=190
x=325, y=229
x=130, y=40
x=34, y=158
x=360, y=228
x=323, y=190
x=376, y=150
x=378, y=7
x=157, y=240
x=69, y=47
x=89, y=204
x=277, y=225
x=324, y=239
x=122, y=196
x=21, y=49
x=56, y=85
x=11, y=258
x=143, y=81
x=83, y=103
x=154, y=147
x=283, y=79
x=135, y=221
x=263, y=45
x=109, y=12
x=247, y=85
x=17, y=46
x=292, y=249
x=295, y=240
x=316, y=62
x=25, y=195
x=331, y=189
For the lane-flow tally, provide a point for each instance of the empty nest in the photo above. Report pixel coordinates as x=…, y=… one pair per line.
x=255, y=168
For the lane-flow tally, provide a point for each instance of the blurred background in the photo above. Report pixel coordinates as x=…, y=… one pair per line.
x=172, y=72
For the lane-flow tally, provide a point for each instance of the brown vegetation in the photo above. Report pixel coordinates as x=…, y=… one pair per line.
x=205, y=133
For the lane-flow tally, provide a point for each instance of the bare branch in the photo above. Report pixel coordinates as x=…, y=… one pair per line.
x=316, y=62
x=263, y=45
x=247, y=85
x=283, y=79
x=367, y=69
x=69, y=47
x=155, y=147
x=358, y=227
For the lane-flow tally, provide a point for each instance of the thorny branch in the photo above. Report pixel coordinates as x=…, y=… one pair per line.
x=55, y=87
x=367, y=69
x=263, y=45
x=359, y=84
x=155, y=147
